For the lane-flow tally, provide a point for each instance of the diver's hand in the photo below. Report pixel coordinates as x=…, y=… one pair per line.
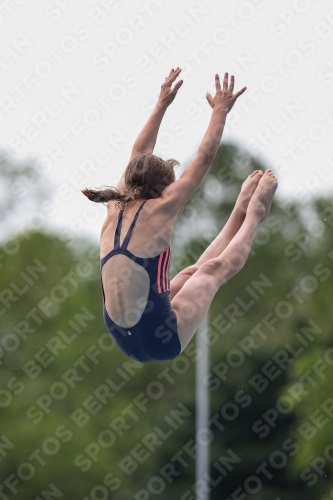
x=225, y=98
x=168, y=93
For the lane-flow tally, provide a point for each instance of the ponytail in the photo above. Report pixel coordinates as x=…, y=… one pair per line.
x=146, y=176
x=113, y=194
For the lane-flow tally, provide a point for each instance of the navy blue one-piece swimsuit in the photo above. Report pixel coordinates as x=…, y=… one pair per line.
x=155, y=336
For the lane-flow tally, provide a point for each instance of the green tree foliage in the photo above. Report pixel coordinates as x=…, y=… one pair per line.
x=79, y=417
x=24, y=189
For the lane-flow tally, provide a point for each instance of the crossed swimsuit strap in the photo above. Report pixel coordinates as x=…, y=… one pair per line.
x=129, y=232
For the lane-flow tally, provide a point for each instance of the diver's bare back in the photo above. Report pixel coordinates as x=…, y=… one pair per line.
x=152, y=232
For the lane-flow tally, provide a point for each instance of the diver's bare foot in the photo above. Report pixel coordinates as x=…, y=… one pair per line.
x=248, y=187
x=262, y=198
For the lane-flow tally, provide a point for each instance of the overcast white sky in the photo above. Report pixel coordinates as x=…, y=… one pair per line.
x=79, y=78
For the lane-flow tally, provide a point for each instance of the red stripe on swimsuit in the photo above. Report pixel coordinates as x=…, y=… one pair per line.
x=165, y=276
x=159, y=273
x=163, y=271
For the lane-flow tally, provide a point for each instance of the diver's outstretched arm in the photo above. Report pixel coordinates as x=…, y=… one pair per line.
x=146, y=140
x=179, y=192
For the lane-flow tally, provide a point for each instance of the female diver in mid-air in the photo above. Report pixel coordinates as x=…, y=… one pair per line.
x=149, y=317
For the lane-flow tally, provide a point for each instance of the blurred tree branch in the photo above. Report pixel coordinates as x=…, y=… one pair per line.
x=23, y=187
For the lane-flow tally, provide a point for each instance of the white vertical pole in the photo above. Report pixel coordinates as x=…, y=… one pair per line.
x=202, y=413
